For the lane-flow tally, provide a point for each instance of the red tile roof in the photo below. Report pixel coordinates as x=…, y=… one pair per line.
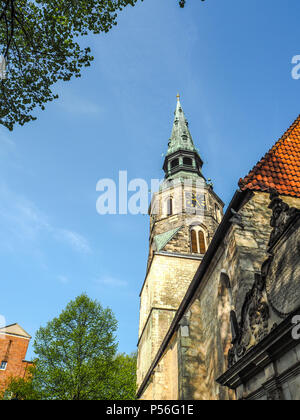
x=279, y=169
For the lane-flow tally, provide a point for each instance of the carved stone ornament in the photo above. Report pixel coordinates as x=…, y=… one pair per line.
x=275, y=395
x=283, y=280
x=281, y=218
x=278, y=285
x=253, y=326
x=273, y=391
x=283, y=271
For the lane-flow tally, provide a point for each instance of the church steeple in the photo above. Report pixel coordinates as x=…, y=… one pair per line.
x=184, y=214
x=182, y=158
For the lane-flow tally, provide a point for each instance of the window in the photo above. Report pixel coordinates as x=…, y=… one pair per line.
x=169, y=207
x=184, y=137
x=198, y=240
x=201, y=238
x=194, y=241
x=3, y=365
x=187, y=161
x=174, y=163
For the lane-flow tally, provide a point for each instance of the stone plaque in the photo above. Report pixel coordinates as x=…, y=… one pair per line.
x=283, y=280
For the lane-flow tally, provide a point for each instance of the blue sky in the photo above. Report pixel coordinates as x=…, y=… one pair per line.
x=231, y=62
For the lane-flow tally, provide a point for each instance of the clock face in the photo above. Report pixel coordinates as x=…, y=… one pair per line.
x=195, y=201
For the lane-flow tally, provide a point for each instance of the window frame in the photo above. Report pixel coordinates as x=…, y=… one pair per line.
x=195, y=230
x=3, y=368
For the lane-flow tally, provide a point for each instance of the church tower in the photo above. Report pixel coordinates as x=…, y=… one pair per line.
x=184, y=215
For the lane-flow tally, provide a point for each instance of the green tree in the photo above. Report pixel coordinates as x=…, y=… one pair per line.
x=21, y=389
x=40, y=42
x=75, y=352
x=77, y=360
x=122, y=383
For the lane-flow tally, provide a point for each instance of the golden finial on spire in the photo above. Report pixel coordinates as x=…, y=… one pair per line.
x=178, y=96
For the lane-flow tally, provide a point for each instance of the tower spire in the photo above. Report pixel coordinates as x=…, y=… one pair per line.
x=181, y=156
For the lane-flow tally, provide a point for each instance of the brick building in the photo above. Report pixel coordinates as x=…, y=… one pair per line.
x=14, y=341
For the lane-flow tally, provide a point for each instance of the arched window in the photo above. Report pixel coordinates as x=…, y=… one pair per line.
x=194, y=241
x=202, y=246
x=198, y=240
x=174, y=163
x=187, y=161
x=169, y=207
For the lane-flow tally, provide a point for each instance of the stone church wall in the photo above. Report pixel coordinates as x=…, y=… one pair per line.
x=204, y=342
x=244, y=250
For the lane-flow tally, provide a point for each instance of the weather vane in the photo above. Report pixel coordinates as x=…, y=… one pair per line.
x=178, y=96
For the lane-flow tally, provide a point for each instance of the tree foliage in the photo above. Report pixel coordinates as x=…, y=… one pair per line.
x=122, y=383
x=40, y=41
x=119, y=384
x=76, y=358
x=75, y=351
x=21, y=388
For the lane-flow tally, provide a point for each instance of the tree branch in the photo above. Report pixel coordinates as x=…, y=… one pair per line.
x=12, y=15
x=4, y=10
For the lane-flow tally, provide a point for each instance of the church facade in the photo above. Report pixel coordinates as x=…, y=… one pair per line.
x=221, y=291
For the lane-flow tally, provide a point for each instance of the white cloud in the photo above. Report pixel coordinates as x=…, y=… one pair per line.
x=111, y=281
x=76, y=240
x=22, y=221
x=63, y=279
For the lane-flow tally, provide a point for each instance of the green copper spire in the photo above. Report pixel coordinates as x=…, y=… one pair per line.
x=181, y=138
x=182, y=158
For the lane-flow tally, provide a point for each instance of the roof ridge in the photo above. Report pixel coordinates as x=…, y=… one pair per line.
x=278, y=169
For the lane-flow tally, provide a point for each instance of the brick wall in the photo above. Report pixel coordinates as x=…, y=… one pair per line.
x=13, y=351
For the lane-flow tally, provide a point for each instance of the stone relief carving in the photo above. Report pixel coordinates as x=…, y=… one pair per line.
x=281, y=217
x=283, y=272
x=236, y=219
x=255, y=315
x=273, y=391
x=253, y=326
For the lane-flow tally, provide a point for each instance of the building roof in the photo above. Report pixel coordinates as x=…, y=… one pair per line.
x=14, y=329
x=162, y=239
x=279, y=169
x=181, y=138
x=182, y=160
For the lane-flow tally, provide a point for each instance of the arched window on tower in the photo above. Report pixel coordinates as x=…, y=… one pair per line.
x=202, y=245
x=194, y=241
x=198, y=240
x=169, y=206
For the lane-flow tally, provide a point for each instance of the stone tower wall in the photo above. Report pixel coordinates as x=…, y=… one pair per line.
x=171, y=269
